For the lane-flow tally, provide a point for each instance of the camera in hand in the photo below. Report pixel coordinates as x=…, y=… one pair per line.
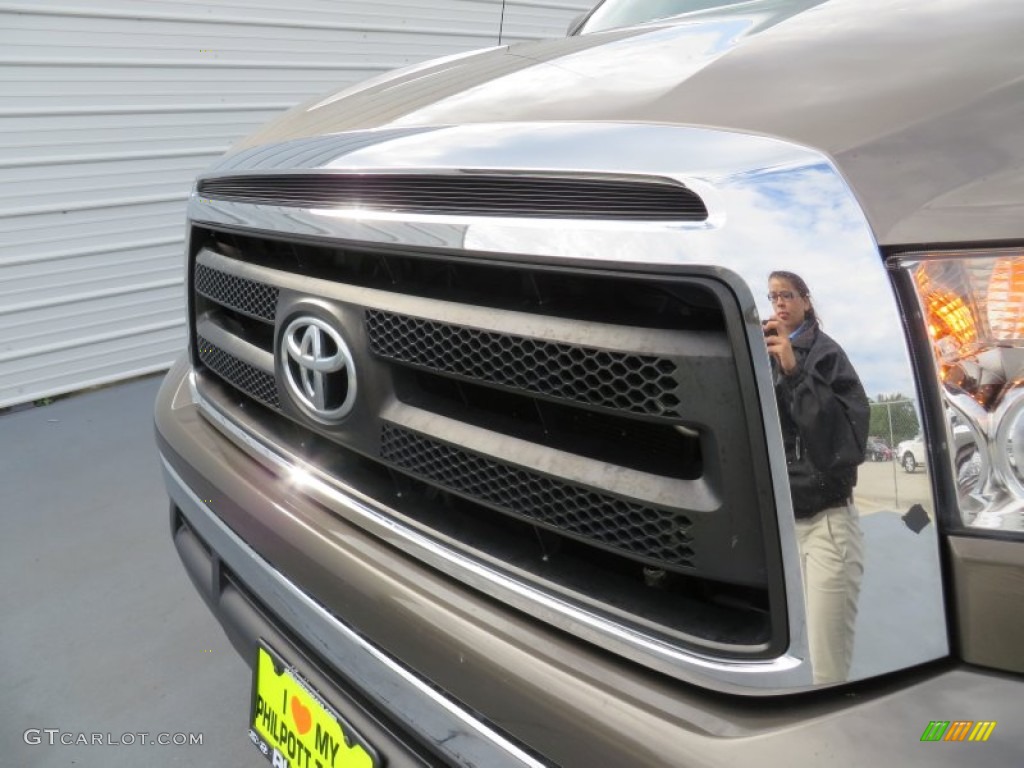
x=768, y=331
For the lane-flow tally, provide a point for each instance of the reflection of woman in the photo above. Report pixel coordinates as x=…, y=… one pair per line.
x=824, y=414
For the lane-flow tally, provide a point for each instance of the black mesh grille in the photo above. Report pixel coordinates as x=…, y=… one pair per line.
x=254, y=382
x=634, y=383
x=649, y=353
x=248, y=296
x=658, y=535
x=469, y=195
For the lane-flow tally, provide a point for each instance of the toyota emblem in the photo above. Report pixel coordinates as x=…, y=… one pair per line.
x=318, y=369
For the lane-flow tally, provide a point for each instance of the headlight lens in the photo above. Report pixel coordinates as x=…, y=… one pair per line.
x=973, y=308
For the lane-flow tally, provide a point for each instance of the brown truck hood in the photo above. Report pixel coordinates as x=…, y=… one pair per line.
x=920, y=104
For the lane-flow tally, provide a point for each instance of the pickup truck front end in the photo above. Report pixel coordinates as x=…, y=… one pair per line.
x=476, y=441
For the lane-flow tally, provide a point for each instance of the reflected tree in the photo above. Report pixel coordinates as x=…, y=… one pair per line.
x=894, y=418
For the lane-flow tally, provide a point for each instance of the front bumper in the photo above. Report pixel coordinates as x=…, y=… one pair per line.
x=401, y=714
x=431, y=672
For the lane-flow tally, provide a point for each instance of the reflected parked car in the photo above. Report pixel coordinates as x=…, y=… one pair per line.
x=911, y=454
x=878, y=449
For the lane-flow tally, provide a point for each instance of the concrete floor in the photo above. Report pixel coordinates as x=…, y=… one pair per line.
x=101, y=630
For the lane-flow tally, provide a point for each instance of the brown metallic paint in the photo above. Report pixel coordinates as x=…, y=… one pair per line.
x=988, y=581
x=920, y=104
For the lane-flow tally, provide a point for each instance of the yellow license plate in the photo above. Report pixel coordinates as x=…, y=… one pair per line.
x=294, y=727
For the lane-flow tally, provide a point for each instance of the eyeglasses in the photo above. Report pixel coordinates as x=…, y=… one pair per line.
x=784, y=295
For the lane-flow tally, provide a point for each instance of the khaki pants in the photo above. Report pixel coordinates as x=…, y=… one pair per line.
x=832, y=562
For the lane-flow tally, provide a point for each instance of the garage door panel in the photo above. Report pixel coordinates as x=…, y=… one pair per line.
x=60, y=235
x=33, y=282
x=90, y=364
x=76, y=324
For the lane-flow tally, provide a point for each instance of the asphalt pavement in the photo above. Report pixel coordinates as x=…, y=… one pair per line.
x=106, y=650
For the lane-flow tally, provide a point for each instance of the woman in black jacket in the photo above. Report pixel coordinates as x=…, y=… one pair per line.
x=824, y=414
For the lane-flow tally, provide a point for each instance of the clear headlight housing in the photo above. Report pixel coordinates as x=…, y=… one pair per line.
x=972, y=303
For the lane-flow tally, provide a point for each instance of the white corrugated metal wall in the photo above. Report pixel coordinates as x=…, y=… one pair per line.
x=109, y=108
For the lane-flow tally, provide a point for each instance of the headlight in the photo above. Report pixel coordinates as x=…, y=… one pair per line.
x=972, y=303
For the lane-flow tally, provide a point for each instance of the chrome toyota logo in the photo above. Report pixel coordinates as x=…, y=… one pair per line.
x=318, y=369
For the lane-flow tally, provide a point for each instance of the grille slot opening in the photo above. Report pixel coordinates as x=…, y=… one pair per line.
x=242, y=376
x=256, y=333
x=652, y=303
x=248, y=297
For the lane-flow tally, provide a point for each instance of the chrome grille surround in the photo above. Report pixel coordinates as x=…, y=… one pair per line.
x=771, y=205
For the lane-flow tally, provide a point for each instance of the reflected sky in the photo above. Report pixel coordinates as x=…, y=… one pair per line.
x=805, y=221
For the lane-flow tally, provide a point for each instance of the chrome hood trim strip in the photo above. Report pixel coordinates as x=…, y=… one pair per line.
x=772, y=205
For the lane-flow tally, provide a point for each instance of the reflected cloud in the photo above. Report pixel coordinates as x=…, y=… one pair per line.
x=787, y=217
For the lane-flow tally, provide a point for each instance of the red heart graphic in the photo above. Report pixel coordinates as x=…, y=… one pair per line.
x=302, y=717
